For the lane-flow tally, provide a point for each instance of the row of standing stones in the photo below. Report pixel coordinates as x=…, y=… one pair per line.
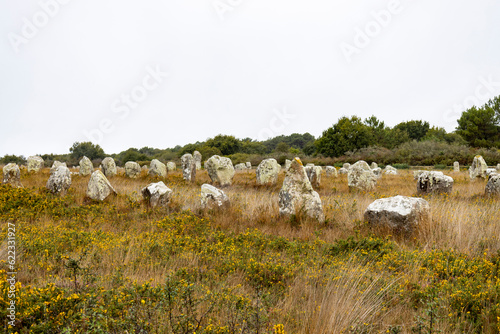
x=296, y=195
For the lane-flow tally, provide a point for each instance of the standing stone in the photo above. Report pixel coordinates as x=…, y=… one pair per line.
x=249, y=164
x=400, y=213
x=188, y=167
x=310, y=165
x=331, y=171
x=212, y=197
x=197, y=159
x=109, y=167
x=498, y=168
x=389, y=170
x=99, y=187
x=378, y=172
x=59, y=181
x=456, y=167
x=297, y=194
x=157, y=168
x=132, y=169
x=478, y=168
x=144, y=168
x=493, y=185
x=220, y=170
x=434, y=182
x=12, y=175
x=267, y=172
x=361, y=177
x=490, y=171
x=343, y=170
x=287, y=164
x=86, y=167
x=171, y=166
x=373, y=165
x=56, y=164
x=157, y=194
x=241, y=166
x=35, y=163
x=417, y=173
x=346, y=166
x=314, y=175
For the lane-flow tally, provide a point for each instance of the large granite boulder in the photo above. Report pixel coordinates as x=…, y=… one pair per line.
x=99, y=187
x=361, y=177
x=55, y=165
x=267, y=172
x=478, y=168
x=171, y=166
x=493, y=185
x=109, y=167
x=59, y=181
x=314, y=175
x=297, y=194
x=132, y=169
x=211, y=197
x=400, y=213
x=157, y=168
x=331, y=171
x=35, y=163
x=188, y=167
x=157, y=194
x=389, y=170
x=197, y=159
x=12, y=175
x=86, y=166
x=220, y=170
x=434, y=182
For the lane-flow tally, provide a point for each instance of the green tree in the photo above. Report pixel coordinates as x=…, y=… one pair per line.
x=416, y=129
x=7, y=159
x=348, y=134
x=480, y=126
x=225, y=144
x=91, y=151
x=282, y=147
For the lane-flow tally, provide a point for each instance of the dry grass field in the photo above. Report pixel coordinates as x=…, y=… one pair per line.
x=122, y=267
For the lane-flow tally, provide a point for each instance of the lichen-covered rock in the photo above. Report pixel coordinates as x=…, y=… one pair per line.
x=343, y=171
x=491, y=171
x=434, y=182
x=109, y=167
x=331, y=171
x=55, y=165
x=248, y=164
x=373, y=165
x=417, y=173
x=314, y=175
x=310, y=165
x=346, y=166
x=361, y=177
x=267, y=172
x=220, y=170
x=132, y=169
x=297, y=194
x=171, y=166
x=241, y=166
x=378, y=172
x=188, y=167
x=478, y=168
x=211, y=197
x=12, y=175
x=287, y=164
x=389, y=170
x=197, y=159
x=59, y=181
x=399, y=213
x=35, y=163
x=456, y=167
x=99, y=187
x=157, y=168
x=157, y=194
x=86, y=166
x=493, y=185
x=145, y=168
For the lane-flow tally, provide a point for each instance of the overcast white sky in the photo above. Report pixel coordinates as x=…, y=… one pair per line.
x=250, y=68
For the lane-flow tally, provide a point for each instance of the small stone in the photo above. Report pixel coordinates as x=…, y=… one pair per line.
x=212, y=197
x=314, y=175
x=157, y=194
x=287, y=164
x=12, y=175
x=99, y=187
x=361, y=177
x=434, y=182
x=373, y=165
x=35, y=163
x=86, y=166
x=346, y=166
x=157, y=168
x=241, y=166
x=56, y=164
x=378, y=172
x=389, y=170
x=331, y=171
x=220, y=170
x=132, y=169
x=197, y=159
x=343, y=171
x=171, y=166
x=59, y=181
x=493, y=185
x=267, y=172
x=188, y=167
x=478, y=168
x=249, y=164
x=109, y=167
x=456, y=167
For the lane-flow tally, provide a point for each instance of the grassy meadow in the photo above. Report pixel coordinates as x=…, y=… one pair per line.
x=119, y=266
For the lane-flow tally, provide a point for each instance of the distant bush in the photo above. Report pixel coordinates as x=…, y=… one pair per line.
x=440, y=166
x=401, y=166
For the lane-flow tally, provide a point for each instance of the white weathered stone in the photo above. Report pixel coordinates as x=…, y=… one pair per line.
x=171, y=166
x=59, y=181
x=86, y=167
x=99, y=187
x=212, y=197
x=456, y=167
x=400, y=213
x=346, y=166
x=220, y=170
x=331, y=171
x=310, y=165
x=197, y=159
x=56, y=164
x=493, y=185
x=109, y=167
x=132, y=169
x=434, y=182
x=188, y=167
x=389, y=170
x=378, y=172
x=297, y=194
x=490, y=171
x=417, y=173
x=267, y=172
x=478, y=168
x=361, y=177
x=314, y=175
x=157, y=168
x=12, y=175
x=145, y=168
x=287, y=164
x=343, y=171
x=498, y=167
x=373, y=165
x=248, y=164
x=241, y=166
x=35, y=163
x=157, y=194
